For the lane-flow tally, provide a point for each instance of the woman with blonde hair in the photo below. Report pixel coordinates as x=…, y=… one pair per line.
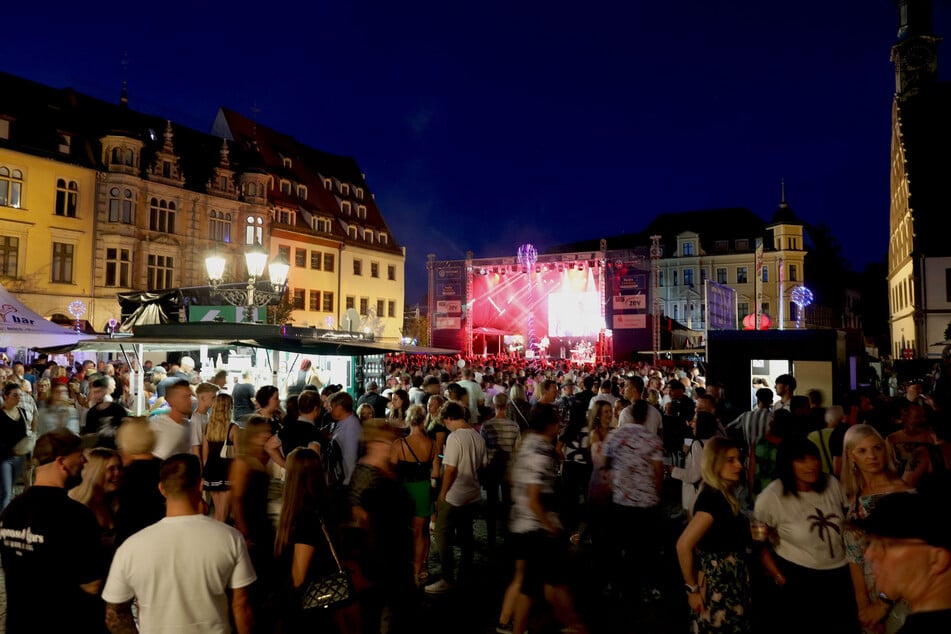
x=718, y=588
x=219, y=436
x=519, y=407
x=868, y=475
x=102, y=475
x=300, y=546
x=412, y=457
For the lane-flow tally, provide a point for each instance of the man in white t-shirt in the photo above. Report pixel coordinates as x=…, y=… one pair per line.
x=179, y=570
x=175, y=432
x=463, y=456
x=634, y=391
x=476, y=396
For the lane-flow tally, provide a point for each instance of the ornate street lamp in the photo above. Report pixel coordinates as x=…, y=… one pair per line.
x=250, y=296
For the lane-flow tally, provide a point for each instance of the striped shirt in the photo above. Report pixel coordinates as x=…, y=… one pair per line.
x=500, y=434
x=752, y=425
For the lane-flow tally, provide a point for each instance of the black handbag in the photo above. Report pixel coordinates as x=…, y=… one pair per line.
x=330, y=590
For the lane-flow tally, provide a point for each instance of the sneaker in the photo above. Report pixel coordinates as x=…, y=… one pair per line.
x=504, y=628
x=440, y=587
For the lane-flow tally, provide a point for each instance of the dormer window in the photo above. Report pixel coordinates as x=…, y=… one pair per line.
x=345, y=189
x=688, y=249
x=302, y=192
x=285, y=216
x=359, y=192
x=328, y=184
x=742, y=244
x=352, y=232
x=722, y=245
x=361, y=211
x=286, y=187
x=384, y=239
x=345, y=207
x=287, y=162
x=322, y=225
x=368, y=235
x=65, y=141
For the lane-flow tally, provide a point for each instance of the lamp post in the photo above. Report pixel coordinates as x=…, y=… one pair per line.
x=250, y=296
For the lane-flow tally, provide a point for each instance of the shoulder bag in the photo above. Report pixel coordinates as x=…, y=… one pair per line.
x=227, y=449
x=328, y=591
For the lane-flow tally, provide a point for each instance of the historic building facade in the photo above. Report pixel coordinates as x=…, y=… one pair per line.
x=919, y=256
x=101, y=199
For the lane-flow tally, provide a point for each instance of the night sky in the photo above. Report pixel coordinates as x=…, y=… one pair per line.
x=484, y=125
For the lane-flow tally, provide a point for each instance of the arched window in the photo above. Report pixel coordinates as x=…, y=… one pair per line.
x=11, y=187
x=162, y=216
x=121, y=206
x=254, y=232
x=67, y=197
x=220, y=226
x=128, y=157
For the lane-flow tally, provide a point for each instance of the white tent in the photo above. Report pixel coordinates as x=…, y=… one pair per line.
x=20, y=327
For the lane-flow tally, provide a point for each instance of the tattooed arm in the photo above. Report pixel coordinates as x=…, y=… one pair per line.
x=119, y=618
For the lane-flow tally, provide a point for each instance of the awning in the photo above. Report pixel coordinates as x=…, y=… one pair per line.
x=20, y=327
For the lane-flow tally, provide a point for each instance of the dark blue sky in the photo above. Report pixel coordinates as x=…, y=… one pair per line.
x=484, y=125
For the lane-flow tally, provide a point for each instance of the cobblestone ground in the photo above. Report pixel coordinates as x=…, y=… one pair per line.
x=474, y=608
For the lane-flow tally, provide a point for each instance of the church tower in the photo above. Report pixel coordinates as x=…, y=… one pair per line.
x=915, y=54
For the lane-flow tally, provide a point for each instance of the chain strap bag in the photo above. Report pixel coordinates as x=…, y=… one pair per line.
x=330, y=590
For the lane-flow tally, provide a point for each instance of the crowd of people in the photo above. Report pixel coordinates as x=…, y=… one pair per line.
x=221, y=508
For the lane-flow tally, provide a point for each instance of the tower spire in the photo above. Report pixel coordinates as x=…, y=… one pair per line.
x=124, y=97
x=782, y=186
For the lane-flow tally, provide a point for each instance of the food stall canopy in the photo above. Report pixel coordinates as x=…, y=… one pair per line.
x=20, y=327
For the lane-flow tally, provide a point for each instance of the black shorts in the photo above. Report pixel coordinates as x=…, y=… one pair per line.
x=546, y=560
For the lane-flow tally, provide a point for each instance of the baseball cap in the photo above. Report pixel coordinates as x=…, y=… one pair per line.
x=58, y=444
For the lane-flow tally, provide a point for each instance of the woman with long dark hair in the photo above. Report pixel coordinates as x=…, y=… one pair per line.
x=805, y=512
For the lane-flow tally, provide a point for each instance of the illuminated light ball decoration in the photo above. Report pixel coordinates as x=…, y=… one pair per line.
x=801, y=297
x=77, y=309
x=527, y=256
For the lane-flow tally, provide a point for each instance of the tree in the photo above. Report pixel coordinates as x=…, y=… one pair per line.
x=280, y=313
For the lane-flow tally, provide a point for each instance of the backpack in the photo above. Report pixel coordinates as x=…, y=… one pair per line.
x=334, y=465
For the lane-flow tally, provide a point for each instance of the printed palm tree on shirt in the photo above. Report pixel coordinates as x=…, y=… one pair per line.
x=823, y=523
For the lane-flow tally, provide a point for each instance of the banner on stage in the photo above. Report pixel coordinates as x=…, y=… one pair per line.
x=633, y=282
x=629, y=302
x=622, y=322
x=449, y=306
x=447, y=323
x=721, y=306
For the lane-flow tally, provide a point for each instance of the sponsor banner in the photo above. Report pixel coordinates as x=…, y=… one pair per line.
x=449, y=273
x=449, y=290
x=633, y=282
x=449, y=306
x=721, y=307
x=447, y=323
x=629, y=302
x=622, y=322
x=230, y=314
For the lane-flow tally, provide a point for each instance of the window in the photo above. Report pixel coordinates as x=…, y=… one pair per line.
x=223, y=183
x=11, y=187
x=65, y=141
x=765, y=273
x=328, y=184
x=688, y=277
x=67, y=197
x=357, y=267
x=162, y=216
x=322, y=225
x=361, y=211
x=316, y=259
x=220, y=227
x=384, y=239
x=391, y=308
x=328, y=302
x=359, y=192
x=314, y=300
x=766, y=307
x=391, y=273
x=742, y=244
x=118, y=266
x=350, y=301
x=364, y=305
x=703, y=275
x=297, y=299
x=345, y=189
x=688, y=249
x=62, y=269
x=160, y=272
x=167, y=169
x=329, y=262
x=379, y=308
x=286, y=187
x=793, y=273
x=741, y=274
x=345, y=207
x=674, y=276
x=251, y=189
x=743, y=309
x=254, y=232
x=374, y=269
x=721, y=276
x=722, y=245
x=4, y=128
x=660, y=279
x=121, y=206
x=368, y=235
x=352, y=232
x=793, y=311
x=287, y=162
x=300, y=258
x=285, y=216
x=676, y=311
x=9, y=254
x=302, y=192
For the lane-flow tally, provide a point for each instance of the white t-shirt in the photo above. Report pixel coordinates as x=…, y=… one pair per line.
x=172, y=438
x=654, y=422
x=464, y=450
x=809, y=526
x=179, y=571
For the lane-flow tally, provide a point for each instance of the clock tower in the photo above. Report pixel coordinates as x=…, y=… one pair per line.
x=915, y=55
